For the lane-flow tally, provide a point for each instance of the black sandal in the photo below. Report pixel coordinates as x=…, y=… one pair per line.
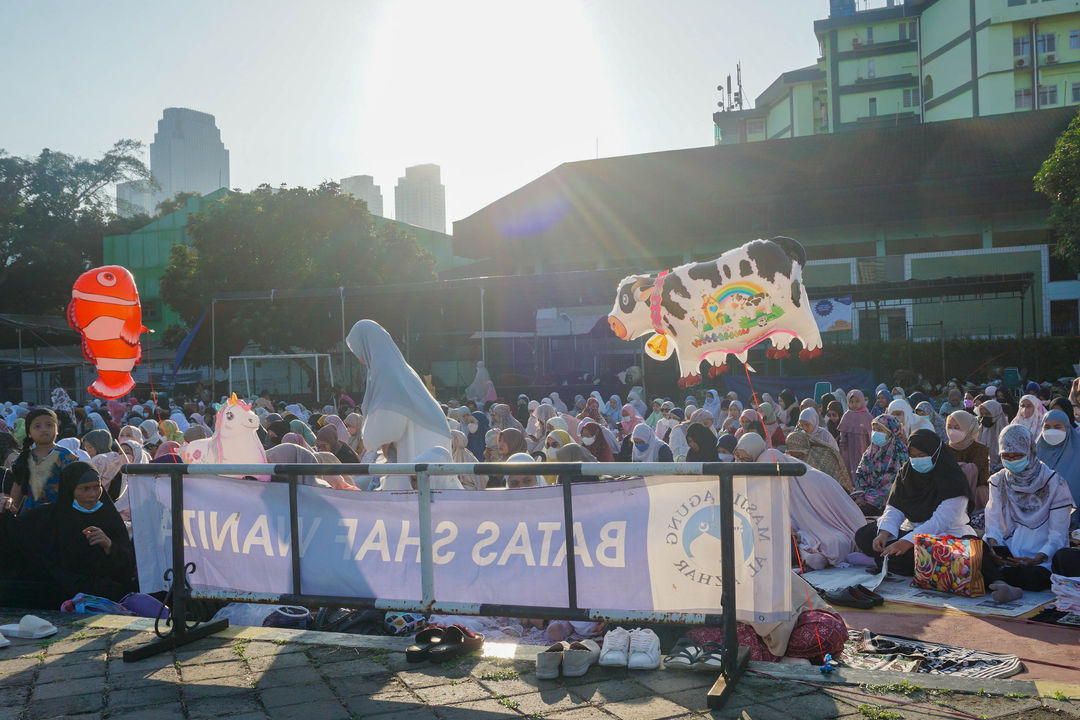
x=427, y=640
x=458, y=640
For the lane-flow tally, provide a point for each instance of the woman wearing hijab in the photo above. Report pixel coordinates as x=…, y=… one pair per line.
x=677, y=440
x=544, y=412
x=613, y=410
x=328, y=441
x=882, y=398
x=338, y=424
x=300, y=428
x=665, y=424
x=1030, y=415
x=502, y=418
x=511, y=442
x=628, y=420
x=725, y=448
x=1058, y=447
x=750, y=422
x=1027, y=517
x=592, y=411
x=954, y=403
x=702, y=444
x=880, y=464
x=647, y=447
x=353, y=423
x=817, y=454
x=930, y=497
x=926, y=410
x=171, y=431
x=461, y=454
x=712, y=403
x=167, y=448
x=71, y=444
x=634, y=399
x=789, y=407
x=77, y=544
x=574, y=453
x=772, y=427
x=972, y=456
x=593, y=440
x=992, y=421
x=656, y=415
x=909, y=421
x=1008, y=405
x=810, y=423
x=476, y=428
x=824, y=519
x=731, y=422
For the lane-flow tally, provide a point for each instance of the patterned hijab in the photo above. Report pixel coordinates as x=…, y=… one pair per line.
x=1030, y=496
x=884, y=461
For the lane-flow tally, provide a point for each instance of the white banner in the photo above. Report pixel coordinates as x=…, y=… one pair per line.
x=832, y=314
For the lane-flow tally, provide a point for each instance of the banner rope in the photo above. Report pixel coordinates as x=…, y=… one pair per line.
x=794, y=539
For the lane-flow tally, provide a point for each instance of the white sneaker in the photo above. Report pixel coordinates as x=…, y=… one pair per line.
x=644, y=650
x=615, y=652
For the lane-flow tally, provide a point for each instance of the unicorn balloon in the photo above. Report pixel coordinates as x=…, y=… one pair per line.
x=235, y=439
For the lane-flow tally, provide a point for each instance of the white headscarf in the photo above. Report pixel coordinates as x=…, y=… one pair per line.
x=713, y=404
x=478, y=389
x=752, y=444
x=72, y=444
x=299, y=411
x=557, y=402
x=1033, y=424
x=911, y=421
x=391, y=383
x=651, y=450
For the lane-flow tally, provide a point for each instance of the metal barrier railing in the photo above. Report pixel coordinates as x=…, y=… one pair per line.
x=182, y=631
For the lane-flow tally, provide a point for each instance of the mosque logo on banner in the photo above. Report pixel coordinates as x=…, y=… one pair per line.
x=685, y=562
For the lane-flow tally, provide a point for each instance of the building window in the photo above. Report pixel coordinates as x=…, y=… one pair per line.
x=1023, y=98
x=1022, y=46
x=928, y=88
x=1045, y=43
x=913, y=30
x=911, y=97
x=1015, y=3
x=1048, y=95
x=755, y=127
x=870, y=35
x=873, y=107
x=1076, y=92
x=871, y=70
x=903, y=31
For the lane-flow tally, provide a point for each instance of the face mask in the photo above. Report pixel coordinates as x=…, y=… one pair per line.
x=897, y=397
x=1016, y=466
x=879, y=438
x=969, y=404
x=922, y=464
x=626, y=418
x=725, y=457
x=587, y=441
x=986, y=421
x=550, y=452
x=640, y=445
x=75, y=504
x=1053, y=437
x=955, y=436
x=472, y=427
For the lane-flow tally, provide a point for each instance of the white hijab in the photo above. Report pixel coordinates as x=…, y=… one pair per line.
x=651, y=450
x=391, y=383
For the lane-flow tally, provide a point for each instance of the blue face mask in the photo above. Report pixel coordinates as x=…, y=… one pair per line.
x=1016, y=466
x=922, y=464
x=879, y=438
x=75, y=504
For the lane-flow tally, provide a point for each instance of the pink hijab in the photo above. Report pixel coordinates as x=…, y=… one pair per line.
x=856, y=421
x=296, y=439
x=635, y=419
x=117, y=410
x=169, y=447
x=342, y=431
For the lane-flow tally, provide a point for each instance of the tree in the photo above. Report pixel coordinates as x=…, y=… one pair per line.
x=55, y=211
x=174, y=203
x=282, y=239
x=1059, y=180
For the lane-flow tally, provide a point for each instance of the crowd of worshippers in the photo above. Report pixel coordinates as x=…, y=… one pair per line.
x=991, y=463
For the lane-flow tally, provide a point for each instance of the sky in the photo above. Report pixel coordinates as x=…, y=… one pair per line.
x=497, y=92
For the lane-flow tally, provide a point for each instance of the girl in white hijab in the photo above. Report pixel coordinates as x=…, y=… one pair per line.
x=713, y=404
x=1030, y=415
x=397, y=408
x=809, y=423
x=909, y=421
x=648, y=447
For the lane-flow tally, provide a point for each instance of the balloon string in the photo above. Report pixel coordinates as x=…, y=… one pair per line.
x=794, y=539
x=153, y=394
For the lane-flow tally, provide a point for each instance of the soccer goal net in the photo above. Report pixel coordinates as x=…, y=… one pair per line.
x=300, y=376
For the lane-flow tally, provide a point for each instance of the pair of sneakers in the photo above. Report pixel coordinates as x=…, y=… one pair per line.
x=637, y=649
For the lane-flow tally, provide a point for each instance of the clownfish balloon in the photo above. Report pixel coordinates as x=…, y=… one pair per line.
x=105, y=309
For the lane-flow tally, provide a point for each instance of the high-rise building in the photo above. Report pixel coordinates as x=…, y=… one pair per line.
x=363, y=187
x=420, y=198
x=898, y=62
x=132, y=198
x=187, y=155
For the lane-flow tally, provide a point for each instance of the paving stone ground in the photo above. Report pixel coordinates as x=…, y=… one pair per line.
x=80, y=673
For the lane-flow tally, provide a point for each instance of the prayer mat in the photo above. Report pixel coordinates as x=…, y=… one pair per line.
x=890, y=652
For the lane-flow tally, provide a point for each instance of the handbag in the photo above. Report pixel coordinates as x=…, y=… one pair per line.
x=949, y=564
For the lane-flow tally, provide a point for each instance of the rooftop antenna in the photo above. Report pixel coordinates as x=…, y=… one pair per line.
x=738, y=76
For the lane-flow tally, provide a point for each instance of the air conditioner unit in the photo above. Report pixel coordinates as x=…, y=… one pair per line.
x=1051, y=58
x=1021, y=62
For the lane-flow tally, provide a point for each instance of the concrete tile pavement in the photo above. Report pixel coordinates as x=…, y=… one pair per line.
x=281, y=674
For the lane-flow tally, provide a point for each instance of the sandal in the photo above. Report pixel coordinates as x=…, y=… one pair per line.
x=458, y=640
x=711, y=658
x=426, y=640
x=683, y=655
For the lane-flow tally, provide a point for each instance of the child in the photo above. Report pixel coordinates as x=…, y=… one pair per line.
x=37, y=470
x=854, y=430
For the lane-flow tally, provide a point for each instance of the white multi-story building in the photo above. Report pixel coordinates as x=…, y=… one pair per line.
x=420, y=198
x=187, y=155
x=132, y=198
x=363, y=187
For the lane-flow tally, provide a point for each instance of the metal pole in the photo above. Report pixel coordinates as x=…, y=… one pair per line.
x=483, y=339
x=568, y=534
x=213, y=350
x=727, y=571
x=944, y=375
x=22, y=390
x=344, y=345
x=316, y=378
x=294, y=533
x=427, y=568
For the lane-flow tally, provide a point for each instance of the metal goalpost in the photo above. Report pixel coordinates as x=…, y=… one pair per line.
x=288, y=356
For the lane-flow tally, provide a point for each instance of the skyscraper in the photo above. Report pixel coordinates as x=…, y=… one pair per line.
x=420, y=198
x=363, y=187
x=187, y=155
x=132, y=198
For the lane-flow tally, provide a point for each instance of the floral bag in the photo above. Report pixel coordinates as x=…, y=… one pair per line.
x=949, y=564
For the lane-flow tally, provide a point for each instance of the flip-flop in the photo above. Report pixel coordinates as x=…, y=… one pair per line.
x=426, y=640
x=683, y=655
x=458, y=640
x=711, y=658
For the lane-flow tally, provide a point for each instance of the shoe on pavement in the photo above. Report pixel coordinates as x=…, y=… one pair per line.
x=644, y=650
x=616, y=650
x=548, y=662
x=579, y=658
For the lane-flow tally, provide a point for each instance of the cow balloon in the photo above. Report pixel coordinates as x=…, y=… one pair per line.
x=709, y=310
